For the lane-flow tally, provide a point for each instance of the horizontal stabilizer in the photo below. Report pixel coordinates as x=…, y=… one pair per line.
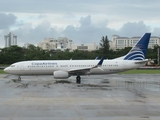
x=142, y=61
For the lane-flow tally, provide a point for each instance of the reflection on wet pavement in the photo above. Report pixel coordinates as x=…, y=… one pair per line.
x=108, y=97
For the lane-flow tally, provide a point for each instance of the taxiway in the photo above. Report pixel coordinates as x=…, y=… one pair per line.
x=110, y=97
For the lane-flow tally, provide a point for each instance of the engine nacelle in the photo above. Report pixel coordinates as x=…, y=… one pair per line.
x=60, y=74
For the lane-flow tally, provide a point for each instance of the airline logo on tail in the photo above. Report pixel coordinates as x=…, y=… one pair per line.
x=138, y=52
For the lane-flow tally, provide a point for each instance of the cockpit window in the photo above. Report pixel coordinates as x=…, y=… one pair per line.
x=12, y=66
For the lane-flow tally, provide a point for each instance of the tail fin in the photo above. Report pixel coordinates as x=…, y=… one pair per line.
x=138, y=52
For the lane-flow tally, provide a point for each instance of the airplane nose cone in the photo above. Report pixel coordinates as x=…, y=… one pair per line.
x=6, y=70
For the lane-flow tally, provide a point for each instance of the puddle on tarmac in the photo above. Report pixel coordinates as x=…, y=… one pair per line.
x=149, y=82
x=143, y=81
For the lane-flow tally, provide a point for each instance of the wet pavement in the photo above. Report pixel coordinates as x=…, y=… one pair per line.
x=111, y=97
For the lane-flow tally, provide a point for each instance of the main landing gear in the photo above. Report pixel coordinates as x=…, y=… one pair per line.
x=78, y=79
x=19, y=78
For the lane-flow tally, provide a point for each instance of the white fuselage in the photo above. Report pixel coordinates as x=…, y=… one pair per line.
x=47, y=67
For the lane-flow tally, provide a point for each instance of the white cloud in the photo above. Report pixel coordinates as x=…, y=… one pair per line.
x=134, y=28
x=82, y=21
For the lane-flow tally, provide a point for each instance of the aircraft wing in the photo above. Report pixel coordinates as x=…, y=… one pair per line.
x=82, y=71
x=79, y=71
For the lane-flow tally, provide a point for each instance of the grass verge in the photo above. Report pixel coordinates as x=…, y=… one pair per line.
x=2, y=72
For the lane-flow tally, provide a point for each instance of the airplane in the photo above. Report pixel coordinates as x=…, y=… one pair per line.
x=63, y=69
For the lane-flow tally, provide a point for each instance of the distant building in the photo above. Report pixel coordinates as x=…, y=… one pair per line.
x=10, y=39
x=85, y=47
x=61, y=43
x=26, y=45
x=122, y=42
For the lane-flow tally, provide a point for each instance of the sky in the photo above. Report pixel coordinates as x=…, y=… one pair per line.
x=83, y=21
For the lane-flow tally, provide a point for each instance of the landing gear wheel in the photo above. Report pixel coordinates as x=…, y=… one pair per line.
x=78, y=79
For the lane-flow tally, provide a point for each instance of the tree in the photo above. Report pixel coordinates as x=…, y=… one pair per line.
x=104, y=44
x=11, y=54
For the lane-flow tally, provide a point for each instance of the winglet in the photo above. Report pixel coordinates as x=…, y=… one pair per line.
x=100, y=62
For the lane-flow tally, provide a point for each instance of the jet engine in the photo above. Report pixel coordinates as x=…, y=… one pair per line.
x=61, y=74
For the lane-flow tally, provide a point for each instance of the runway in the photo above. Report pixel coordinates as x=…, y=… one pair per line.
x=109, y=97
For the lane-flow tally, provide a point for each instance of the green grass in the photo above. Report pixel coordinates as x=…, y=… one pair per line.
x=140, y=71
x=2, y=72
